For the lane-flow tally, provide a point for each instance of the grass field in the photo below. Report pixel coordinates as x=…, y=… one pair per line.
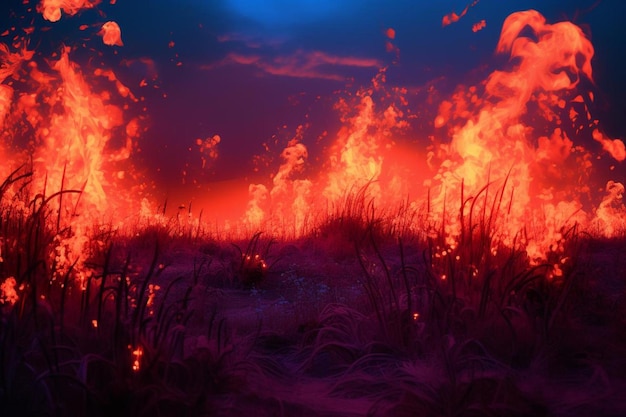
x=354, y=318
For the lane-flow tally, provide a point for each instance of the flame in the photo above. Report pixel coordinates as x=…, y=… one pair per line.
x=69, y=125
x=152, y=290
x=355, y=164
x=52, y=9
x=478, y=26
x=7, y=291
x=496, y=145
x=136, y=357
x=506, y=151
x=287, y=196
x=111, y=34
x=452, y=17
x=497, y=163
x=615, y=147
x=610, y=217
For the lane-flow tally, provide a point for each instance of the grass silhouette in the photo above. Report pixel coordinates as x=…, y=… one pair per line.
x=368, y=314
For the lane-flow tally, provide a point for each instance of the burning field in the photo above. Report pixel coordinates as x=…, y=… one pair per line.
x=450, y=245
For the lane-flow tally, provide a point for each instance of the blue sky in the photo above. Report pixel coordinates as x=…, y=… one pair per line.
x=282, y=13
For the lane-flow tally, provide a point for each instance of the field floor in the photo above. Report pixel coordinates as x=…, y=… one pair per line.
x=305, y=341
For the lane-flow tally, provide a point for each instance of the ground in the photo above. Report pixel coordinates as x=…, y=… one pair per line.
x=302, y=337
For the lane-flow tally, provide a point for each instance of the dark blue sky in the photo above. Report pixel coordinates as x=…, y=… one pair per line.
x=251, y=71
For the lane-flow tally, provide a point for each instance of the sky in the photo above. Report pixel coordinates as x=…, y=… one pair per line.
x=252, y=71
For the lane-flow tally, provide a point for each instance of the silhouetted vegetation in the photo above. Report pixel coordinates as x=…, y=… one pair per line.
x=360, y=317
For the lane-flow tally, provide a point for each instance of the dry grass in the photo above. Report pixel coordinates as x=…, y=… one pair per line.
x=357, y=315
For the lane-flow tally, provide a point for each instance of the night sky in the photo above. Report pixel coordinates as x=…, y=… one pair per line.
x=252, y=71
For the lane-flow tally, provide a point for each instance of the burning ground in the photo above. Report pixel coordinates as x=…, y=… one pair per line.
x=447, y=249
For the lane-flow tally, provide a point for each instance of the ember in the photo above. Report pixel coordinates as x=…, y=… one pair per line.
x=111, y=34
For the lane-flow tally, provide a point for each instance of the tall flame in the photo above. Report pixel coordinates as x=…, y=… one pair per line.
x=510, y=154
x=548, y=62
x=70, y=127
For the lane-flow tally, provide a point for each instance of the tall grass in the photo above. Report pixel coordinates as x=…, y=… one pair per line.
x=484, y=311
x=470, y=328
x=112, y=343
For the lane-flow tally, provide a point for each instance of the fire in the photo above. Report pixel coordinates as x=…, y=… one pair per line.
x=505, y=152
x=610, y=214
x=152, y=290
x=615, y=147
x=69, y=127
x=137, y=354
x=8, y=294
x=52, y=10
x=498, y=146
x=490, y=155
x=111, y=34
x=355, y=164
x=478, y=26
x=452, y=17
x=288, y=195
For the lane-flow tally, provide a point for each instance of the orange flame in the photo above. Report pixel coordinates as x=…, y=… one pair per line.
x=52, y=9
x=496, y=145
x=136, y=356
x=111, y=34
x=452, y=17
x=76, y=137
x=500, y=148
x=497, y=161
x=478, y=26
x=610, y=217
x=615, y=147
x=7, y=291
x=355, y=164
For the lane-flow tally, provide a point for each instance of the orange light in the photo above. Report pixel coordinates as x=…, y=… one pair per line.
x=136, y=355
x=478, y=26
